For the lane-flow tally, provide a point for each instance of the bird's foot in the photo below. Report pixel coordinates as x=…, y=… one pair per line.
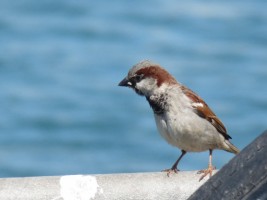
x=205, y=172
x=171, y=171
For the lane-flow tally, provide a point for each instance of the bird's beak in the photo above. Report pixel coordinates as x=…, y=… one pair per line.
x=125, y=83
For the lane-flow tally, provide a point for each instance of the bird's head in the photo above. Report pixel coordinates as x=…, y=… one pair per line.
x=146, y=78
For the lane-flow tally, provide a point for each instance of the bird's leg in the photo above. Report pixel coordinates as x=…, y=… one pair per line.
x=205, y=172
x=174, y=167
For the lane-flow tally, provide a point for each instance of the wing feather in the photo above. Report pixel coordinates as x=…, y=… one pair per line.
x=203, y=110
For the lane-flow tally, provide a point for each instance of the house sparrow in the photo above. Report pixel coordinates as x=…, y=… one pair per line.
x=183, y=119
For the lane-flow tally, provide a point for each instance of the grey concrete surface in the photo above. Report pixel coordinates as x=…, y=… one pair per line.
x=244, y=177
x=111, y=186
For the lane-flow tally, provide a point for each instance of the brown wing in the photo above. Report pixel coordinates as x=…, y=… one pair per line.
x=203, y=110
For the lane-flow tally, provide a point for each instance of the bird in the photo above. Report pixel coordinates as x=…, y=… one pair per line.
x=182, y=117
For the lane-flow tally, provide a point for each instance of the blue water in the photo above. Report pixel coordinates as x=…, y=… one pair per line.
x=61, y=61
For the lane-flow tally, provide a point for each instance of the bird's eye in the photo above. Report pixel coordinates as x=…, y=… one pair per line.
x=138, y=77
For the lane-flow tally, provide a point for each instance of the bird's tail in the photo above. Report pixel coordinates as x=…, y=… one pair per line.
x=230, y=147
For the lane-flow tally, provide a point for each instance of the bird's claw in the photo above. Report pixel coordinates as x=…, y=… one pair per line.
x=170, y=171
x=205, y=172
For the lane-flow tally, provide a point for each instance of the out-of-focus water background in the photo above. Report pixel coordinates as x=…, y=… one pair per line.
x=61, y=111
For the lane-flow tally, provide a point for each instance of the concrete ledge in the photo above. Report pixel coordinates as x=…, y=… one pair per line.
x=111, y=186
x=244, y=177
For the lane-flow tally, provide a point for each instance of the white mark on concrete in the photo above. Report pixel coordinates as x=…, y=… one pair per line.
x=197, y=104
x=79, y=187
x=57, y=198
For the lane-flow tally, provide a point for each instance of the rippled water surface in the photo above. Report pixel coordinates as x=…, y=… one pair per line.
x=61, y=61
